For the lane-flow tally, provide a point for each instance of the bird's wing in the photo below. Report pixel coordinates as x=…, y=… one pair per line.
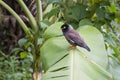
x=75, y=38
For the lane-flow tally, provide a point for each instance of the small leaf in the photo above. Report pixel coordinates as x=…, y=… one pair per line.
x=112, y=8
x=28, y=44
x=40, y=41
x=48, y=9
x=52, y=13
x=23, y=54
x=29, y=49
x=44, y=24
x=22, y=42
x=16, y=50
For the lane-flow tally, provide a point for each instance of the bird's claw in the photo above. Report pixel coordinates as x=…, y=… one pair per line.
x=72, y=47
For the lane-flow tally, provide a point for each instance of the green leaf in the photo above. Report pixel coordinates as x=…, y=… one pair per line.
x=61, y=63
x=44, y=24
x=53, y=31
x=40, y=41
x=22, y=42
x=112, y=8
x=16, y=50
x=100, y=13
x=77, y=12
x=27, y=45
x=47, y=53
x=52, y=13
x=23, y=54
x=85, y=22
x=54, y=1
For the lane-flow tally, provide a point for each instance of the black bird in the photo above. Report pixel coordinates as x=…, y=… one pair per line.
x=73, y=37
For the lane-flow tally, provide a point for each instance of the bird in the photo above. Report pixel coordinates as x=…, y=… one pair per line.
x=73, y=37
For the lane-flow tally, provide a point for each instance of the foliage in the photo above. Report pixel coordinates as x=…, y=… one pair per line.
x=63, y=63
x=40, y=39
x=13, y=67
x=103, y=14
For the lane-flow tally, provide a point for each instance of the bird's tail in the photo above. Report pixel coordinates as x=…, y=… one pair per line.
x=86, y=47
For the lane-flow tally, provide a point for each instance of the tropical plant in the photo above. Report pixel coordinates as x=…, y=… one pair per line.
x=31, y=41
x=52, y=60
x=12, y=67
x=61, y=63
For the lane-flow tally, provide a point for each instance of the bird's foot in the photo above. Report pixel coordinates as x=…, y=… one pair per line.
x=72, y=47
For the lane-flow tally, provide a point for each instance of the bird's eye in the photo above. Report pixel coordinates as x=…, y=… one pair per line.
x=64, y=27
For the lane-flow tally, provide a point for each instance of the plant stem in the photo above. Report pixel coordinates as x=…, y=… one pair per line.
x=39, y=10
x=3, y=54
x=37, y=62
x=23, y=25
x=32, y=20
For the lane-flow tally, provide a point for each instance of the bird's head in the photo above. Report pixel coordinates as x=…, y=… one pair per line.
x=65, y=27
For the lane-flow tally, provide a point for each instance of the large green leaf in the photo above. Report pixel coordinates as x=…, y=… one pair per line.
x=61, y=63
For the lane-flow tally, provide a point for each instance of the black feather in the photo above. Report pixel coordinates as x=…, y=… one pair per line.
x=73, y=37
